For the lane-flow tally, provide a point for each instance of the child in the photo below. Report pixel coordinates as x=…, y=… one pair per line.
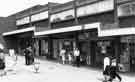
x=70, y=58
x=63, y=59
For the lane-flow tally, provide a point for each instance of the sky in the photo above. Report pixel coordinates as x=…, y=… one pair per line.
x=9, y=7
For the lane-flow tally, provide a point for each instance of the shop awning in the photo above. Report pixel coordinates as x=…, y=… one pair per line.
x=18, y=31
x=117, y=32
x=68, y=29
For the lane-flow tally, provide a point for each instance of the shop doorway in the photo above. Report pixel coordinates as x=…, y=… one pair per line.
x=132, y=56
x=99, y=49
x=127, y=56
x=66, y=44
x=85, y=52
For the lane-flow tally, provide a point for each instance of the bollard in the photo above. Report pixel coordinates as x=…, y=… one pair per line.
x=36, y=67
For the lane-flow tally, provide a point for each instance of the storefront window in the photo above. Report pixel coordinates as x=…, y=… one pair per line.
x=104, y=47
x=68, y=45
x=124, y=57
x=44, y=47
x=127, y=56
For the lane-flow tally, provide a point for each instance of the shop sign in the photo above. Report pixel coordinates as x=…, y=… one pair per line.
x=103, y=45
x=109, y=26
x=130, y=39
x=83, y=36
x=67, y=43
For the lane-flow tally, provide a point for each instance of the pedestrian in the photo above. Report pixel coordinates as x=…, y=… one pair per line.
x=114, y=71
x=62, y=55
x=2, y=63
x=31, y=55
x=106, y=73
x=70, y=58
x=106, y=69
x=77, y=56
x=106, y=61
x=26, y=53
x=13, y=56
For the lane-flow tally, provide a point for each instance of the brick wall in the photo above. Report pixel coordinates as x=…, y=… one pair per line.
x=6, y=24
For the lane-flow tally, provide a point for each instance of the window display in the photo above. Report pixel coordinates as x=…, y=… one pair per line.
x=124, y=58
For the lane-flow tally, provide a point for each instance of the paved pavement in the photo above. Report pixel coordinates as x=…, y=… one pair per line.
x=53, y=72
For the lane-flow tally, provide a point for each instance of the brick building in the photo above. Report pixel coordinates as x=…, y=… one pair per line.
x=96, y=27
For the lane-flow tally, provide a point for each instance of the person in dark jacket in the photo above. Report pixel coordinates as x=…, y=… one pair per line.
x=114, y=73
x=26, y=53
x=106, y=73
x=29, y=56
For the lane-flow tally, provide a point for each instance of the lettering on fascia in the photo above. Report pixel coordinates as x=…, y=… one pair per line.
x=21, y=21
x=39, y=16
x=99, y=7
x=64, y=15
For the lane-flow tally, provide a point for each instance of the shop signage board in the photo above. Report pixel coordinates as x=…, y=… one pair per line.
x=83, y=36
x=109, y=26
x=128, y=39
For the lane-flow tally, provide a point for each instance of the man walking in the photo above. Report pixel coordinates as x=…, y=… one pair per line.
x=106, y=68
x=62, y=55
x=77, y=56
x=113, y=72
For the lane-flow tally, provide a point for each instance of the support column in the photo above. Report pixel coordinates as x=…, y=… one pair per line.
x=50, y=48
x=117, y=50
x=77, y=40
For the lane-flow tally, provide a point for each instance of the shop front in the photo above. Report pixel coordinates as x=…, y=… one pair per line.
x=93, y=49
x=125, y=47
x=127, y=56
x=65, y=41
x=101, y=49
x=19, y=39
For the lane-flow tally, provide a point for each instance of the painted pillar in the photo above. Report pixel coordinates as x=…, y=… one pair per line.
x=50, y=48
x=117, y=50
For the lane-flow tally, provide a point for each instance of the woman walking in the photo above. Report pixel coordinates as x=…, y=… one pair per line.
x=62, y=55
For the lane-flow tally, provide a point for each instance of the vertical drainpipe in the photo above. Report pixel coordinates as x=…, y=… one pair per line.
x=117, y=41
x=50, y=43
x=76, y=22
x=75, y=11
x=49, y=16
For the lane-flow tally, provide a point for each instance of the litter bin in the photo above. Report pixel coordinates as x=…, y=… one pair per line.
x=36, y=67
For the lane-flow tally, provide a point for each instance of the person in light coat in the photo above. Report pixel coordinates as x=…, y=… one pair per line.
x=106, y=62
x=70, y=58
x=77, y=56
x=62, y=54
x=106, y=68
